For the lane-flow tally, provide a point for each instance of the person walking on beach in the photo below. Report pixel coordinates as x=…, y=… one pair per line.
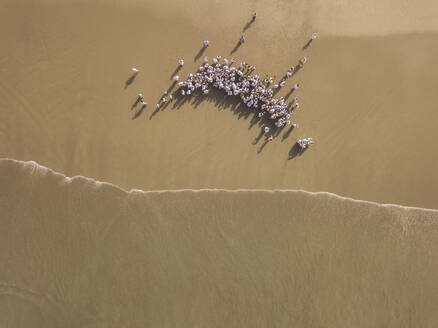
x=135, y=70
x=254, y=16
x=206, y=43
x=242, y=39
x=181, y=62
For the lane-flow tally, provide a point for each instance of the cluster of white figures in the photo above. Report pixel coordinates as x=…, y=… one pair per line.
x=255, y=92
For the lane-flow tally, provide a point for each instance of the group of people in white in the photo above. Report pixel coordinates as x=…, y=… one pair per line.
x=255, y=92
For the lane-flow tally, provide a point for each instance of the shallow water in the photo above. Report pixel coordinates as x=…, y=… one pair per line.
x=79, y=253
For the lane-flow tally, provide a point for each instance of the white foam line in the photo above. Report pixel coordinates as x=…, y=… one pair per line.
x=133, y=191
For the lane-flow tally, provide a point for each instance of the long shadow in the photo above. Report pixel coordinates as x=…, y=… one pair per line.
x=287, y=95
x=155, y=112
x=175, y=71
x=248, y=25
x=278, y=131
x=135, y=103
x=236, y=47
x=255, y=119
x=130, y=80
x=171, y=87
x=200, y=53
x=257, y=139
x=138, y=113
x=307, y=44
x=222, y=102
x=296, y=151
x=287, y=134
x=262, y=146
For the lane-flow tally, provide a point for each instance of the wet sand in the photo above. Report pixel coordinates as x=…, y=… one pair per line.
x=77, y=253
x=367, y=96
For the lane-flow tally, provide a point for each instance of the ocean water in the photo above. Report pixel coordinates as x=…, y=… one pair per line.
x=79, y=253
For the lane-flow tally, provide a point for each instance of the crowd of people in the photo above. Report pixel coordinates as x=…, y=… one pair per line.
x=257, y=93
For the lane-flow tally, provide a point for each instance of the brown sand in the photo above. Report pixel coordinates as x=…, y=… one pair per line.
x=368, y=95
x=76, y=253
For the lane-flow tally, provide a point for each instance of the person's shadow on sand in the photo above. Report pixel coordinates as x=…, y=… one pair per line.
x=138, y=113
x=175, y=71
x=287, y=134
x=236, y=47
x=296, y=151
x=262, y=146
x=130, y=80
x=248, y=25
x=200, y=53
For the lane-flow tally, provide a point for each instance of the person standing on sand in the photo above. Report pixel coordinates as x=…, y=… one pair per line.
x=206, y=43
x=181, y=62
x=242, y=39
x=135, y=70
x=254, y=16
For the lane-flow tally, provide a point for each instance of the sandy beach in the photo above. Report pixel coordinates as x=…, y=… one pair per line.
x=101, y=257
x=114, y=217
x=367, y=95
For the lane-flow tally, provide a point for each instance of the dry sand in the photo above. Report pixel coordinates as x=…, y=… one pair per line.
x=368, y=94
x=76, y=253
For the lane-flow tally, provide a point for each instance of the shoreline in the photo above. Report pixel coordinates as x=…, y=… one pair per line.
x=32, y=165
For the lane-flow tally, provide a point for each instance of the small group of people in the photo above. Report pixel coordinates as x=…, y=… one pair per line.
x=164, y=100
x=141, y=99
x=305, y=143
